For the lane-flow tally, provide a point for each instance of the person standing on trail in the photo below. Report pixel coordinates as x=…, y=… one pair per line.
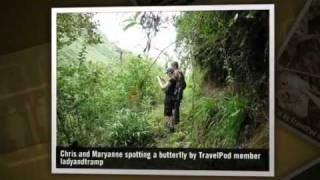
x=169, y=88
x=180, y=86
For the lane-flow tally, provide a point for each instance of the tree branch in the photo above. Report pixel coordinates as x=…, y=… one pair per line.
x=156, y=59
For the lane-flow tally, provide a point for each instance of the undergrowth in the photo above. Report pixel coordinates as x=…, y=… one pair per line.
x=210, y=123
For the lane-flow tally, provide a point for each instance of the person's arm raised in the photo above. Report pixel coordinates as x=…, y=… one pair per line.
x=164, y=85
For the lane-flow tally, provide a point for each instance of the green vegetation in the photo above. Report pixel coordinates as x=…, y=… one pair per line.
x=105, y=52
x=229, y=51
x=109, y=99
x=98, y=105
x=211, y=123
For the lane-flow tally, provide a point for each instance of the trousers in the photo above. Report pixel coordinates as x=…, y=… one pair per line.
x=176, y=112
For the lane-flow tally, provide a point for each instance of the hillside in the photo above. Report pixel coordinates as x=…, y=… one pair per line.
x=106, y=52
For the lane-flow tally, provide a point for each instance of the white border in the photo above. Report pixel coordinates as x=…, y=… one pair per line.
x=269, y=7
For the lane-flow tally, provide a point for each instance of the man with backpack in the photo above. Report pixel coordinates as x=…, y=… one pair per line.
x=180, y=86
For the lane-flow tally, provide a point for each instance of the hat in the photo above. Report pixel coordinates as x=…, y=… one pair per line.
x=169, y=70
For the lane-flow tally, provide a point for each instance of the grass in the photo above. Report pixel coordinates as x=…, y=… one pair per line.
x=209, y=117
x=226, y=130
x=213, y=122
x=260, y=137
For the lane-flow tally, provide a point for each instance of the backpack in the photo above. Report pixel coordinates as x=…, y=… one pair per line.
x=180, y=86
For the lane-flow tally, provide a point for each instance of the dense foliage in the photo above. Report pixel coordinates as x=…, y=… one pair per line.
x=231, y=47
x=99, y=105
x=71, y=26
x=114, y=101
x=100, y=96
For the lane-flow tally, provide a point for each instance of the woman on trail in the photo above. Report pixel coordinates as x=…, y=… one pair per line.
x=169, y=89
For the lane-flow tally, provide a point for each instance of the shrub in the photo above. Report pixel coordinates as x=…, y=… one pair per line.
x=225, y=133
x=92, y=96
x=217, y=122
x=130, y=129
